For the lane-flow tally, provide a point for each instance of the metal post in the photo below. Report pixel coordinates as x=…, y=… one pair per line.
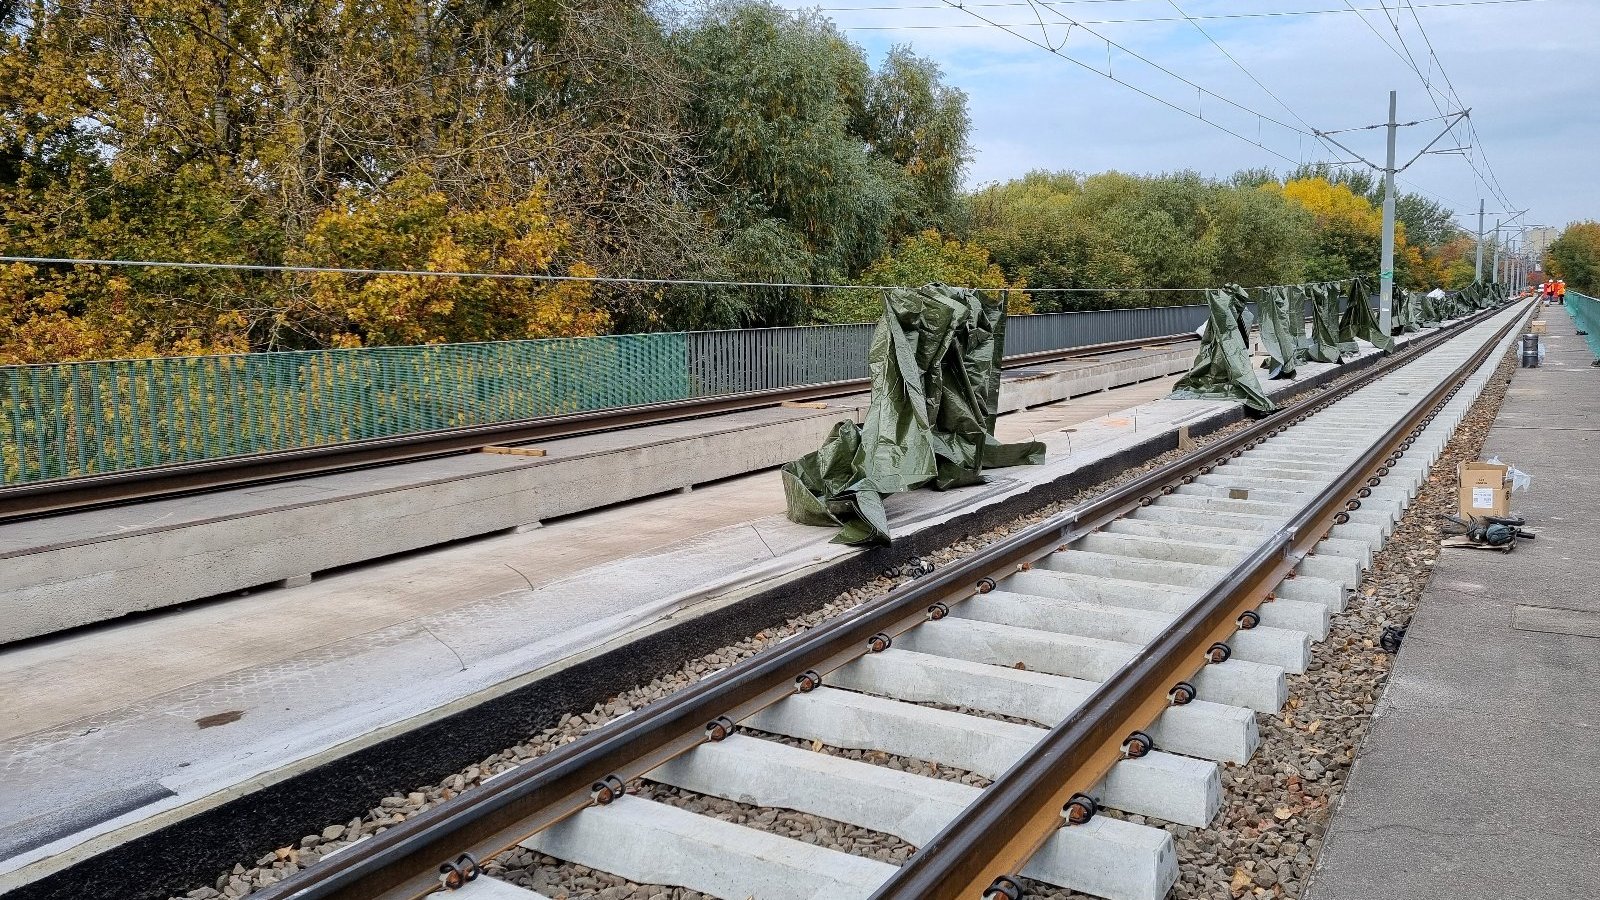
x=1496, y=269
x=1477, y=268
x=1386, y=267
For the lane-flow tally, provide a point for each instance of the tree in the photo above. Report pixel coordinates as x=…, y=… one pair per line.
x=1349, y=232
x=920, y=124
x=925, y=258
x=414, y=225
x=1574, y=257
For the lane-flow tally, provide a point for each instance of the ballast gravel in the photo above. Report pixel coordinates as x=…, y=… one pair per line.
x=1262, y=844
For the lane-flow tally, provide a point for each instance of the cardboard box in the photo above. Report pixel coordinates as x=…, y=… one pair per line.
x=1536, y=326
x=1484, y=491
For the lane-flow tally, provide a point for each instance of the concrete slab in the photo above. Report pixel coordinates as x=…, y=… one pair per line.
x=305, y=678
x=66, y=571
x=1481, y=775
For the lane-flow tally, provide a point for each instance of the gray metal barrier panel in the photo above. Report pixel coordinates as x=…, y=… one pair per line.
x=1059, y=331
x=759, y=359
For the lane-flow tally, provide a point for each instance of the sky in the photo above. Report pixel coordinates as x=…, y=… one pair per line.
x=1524, y=68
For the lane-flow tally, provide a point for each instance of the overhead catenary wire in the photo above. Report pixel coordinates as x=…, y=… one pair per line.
x=1403, y=53
x=1056, y=51
x=1249, y=74
x=1073, y=23
x=590, y=279
x=1471, y=125
x=1269, y=14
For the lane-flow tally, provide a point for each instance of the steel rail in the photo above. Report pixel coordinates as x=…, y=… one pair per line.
x=62, y=495
x=1018, y=812
x=403, y=861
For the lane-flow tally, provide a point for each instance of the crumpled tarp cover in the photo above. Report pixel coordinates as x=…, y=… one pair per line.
x=1222, y=369
x=1280, y=332
x=1427, y=313
x=1323, y=345
x=935, y=366
x=1359, y=322
x=1404, y=312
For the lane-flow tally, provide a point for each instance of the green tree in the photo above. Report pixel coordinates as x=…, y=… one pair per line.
x=915, y=120
x=925, y=258
x=1574, y=257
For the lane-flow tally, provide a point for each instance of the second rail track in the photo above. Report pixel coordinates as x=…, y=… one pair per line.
x=1142, y=629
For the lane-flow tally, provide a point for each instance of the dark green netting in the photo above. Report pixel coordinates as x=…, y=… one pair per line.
x=1323, y=344
x=1222, y=369
x=1280, y=332
x=935, y=367
x=1358, y=322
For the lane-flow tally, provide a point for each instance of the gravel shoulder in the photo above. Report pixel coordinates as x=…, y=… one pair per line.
x=1276, y=807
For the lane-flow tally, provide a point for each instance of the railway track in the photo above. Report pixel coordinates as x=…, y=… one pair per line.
x=55, y=497
x=1139, y=633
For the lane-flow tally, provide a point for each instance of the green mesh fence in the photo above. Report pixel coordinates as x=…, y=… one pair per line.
x=1585, y=312
x=75, y=419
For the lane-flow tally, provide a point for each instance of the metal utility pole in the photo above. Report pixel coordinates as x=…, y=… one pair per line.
x=1389, y=170
x=1477, y=268
x=1496, y=276
x=1386, y=266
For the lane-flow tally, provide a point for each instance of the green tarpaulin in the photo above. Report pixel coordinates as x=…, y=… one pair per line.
x=1222, y=367
x=1280, y=332
x=1323, y=345
x=1358, y=321
x=1404, y=314
x=1427, y=313
x=935, y=366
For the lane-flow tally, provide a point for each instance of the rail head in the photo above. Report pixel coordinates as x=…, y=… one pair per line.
x=403, y=861
x=1016, y=814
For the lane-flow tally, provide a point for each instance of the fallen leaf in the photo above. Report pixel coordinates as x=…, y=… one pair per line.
x=1312, y=728
x=1283, y=812
x=1241, y=880
x=816, y=745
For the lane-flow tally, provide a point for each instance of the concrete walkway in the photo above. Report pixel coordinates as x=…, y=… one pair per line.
x=1481, y=776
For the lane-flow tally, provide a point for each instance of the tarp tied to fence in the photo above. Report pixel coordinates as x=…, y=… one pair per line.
x=935, y=366
x=1281, y=330
x=1358, y=321
x=1323, y=344
x=1222, y=369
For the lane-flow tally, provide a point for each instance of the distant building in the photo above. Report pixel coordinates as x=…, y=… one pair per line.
x=1539, y=240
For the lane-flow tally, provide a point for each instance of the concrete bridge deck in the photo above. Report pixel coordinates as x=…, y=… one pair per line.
x=243, y=707
x=1481, y=775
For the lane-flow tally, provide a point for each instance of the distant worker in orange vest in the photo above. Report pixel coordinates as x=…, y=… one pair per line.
x=1549, y=290
x=1561, y=290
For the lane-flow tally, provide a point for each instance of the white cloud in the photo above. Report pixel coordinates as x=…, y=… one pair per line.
x=1520, y=66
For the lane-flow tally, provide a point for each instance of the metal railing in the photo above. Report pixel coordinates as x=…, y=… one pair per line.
x=67, y=420
x=1585, y=311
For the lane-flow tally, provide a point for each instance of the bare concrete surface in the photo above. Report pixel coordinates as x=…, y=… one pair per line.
x=66, y=571
x=1481, y=775
x=112, y=732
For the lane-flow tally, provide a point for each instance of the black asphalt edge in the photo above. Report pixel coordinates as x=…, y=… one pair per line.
x=191, y=853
